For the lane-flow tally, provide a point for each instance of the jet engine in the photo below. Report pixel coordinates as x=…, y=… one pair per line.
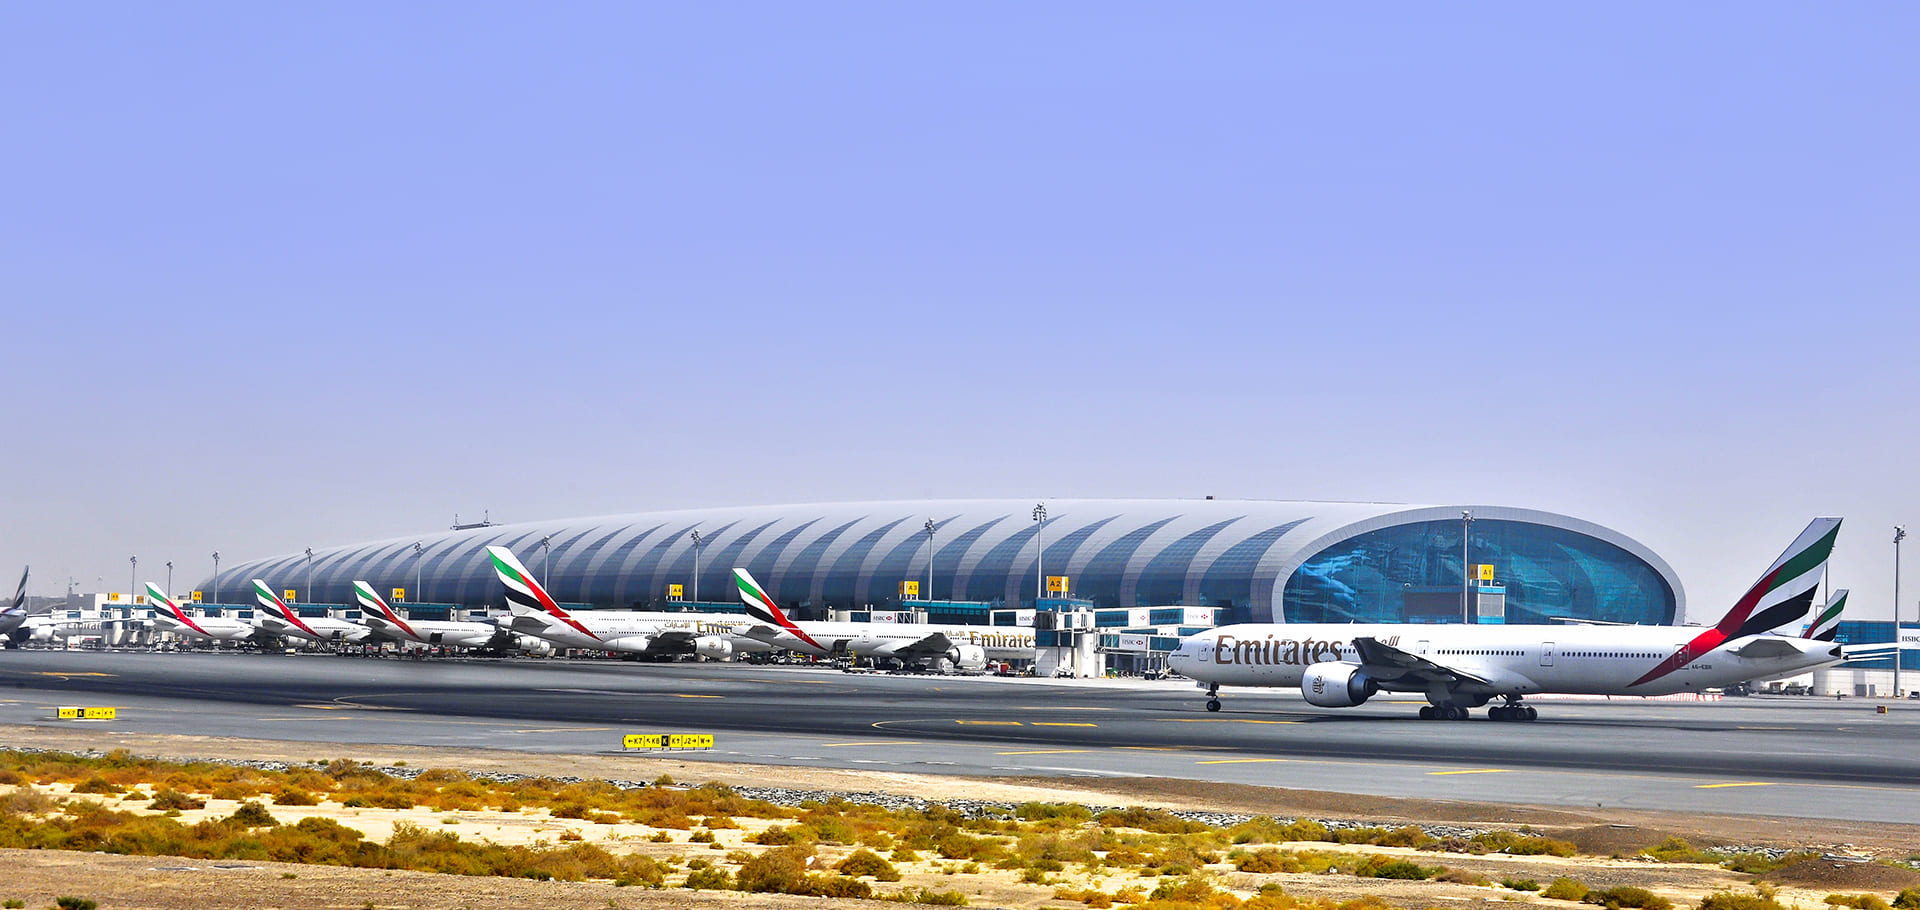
x=1336, y=685
x=713, y=647
x=968, y=657
x=633, y=644
x=532, y=645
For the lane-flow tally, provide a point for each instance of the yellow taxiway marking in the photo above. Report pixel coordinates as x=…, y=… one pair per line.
x=350, y=706
x=685, y=695
x=1754, y=783
x=1469, y=771
x=1238, y=761
x=990, y=723
x=1060, y=708
x=52, y=673
x=1227, y=720
x=1058, y=723
x=1155, y=748
x=1045, y=752
x=562, y=730
x=880, y=742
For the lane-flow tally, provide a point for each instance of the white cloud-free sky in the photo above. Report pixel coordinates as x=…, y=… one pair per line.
x=307, y=274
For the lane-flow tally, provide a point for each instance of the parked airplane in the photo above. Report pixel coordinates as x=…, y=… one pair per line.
x=170, y=617
x=712, y=635
x=14, y=617
x=967, y=647
x=276, y=617
x=1825, y=625
x=1461, y=667
x=451, y=633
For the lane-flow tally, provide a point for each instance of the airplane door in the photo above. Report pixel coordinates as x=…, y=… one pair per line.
x=1546, y=654
x=1420, y=647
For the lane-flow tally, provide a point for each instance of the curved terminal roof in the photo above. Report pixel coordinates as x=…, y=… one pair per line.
x=1234, y=554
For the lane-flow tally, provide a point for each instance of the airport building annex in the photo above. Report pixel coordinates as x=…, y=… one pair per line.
x=1243, y=560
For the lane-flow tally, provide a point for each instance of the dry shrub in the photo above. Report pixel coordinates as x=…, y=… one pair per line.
x=289, y=795
x=168, y=798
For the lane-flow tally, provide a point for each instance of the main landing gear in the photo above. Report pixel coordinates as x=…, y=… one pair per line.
x=1442, y=712
x=1213, y=696
x=1513, y=711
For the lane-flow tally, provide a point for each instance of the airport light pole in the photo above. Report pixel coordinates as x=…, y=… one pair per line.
x=169, y=578
x=927, y=595
x=1899, y=534
x=309, y=595
x=1466, y=571
x=216, y=576
x=419, y=556
x=546, y=558
x=1040, y=553
x=133, y=578
x=696, y=566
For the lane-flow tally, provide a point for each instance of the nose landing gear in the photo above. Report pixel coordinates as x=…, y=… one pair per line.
x=1213, y=696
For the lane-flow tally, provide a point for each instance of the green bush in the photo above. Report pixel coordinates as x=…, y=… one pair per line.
x=253, y=815
x=168, y=798
x=1857, y=901
x=1760, y=863
x=781, y=871
x=1520, y=884
x=1565, y=889
x=1727, y=900
x=1627, y=896
x=74, y=903
x=1907, y=899
x=782, y=835
x=927, y=896
x=1390, y=867
x=710, y=878
x=1158, y=821
x=98, y=784
x=1677, y=850
x=290, y=795
x=864, y=862
x=1523, y=844
x=1190, y=890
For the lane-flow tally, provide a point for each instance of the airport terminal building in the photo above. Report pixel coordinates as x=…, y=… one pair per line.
x=1247, y=560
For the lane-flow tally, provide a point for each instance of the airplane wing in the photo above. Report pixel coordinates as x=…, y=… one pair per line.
x=1402, y=668
x=929, y=645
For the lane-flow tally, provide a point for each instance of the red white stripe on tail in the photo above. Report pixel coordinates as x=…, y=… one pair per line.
x=374, y=604
x=274, y=606
x=525, y=594
x=169, y=606
x=762, y=607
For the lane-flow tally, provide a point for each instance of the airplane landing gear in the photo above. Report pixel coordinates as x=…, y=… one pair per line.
x=1442, y=712
x=1213, y=696
x=1513, y=711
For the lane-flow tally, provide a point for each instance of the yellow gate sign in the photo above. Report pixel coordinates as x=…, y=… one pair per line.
x=196, y=597
x=287, y=595
x=399, y=595
x=87, y=713
x=667, y=741
x=674, y=592
x=1486, y=572
x=910, y=590
x=1056, y=584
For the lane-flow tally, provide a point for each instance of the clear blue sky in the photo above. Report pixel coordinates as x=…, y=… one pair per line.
x=291, y=274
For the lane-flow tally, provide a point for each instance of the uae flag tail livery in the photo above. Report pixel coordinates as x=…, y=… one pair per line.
x=525, y=595
x=1783, y=593
x=277, y=608
x=1825, y=625
x=19, y=604
x=372, y=604
x=171, y=608
x=762, y=607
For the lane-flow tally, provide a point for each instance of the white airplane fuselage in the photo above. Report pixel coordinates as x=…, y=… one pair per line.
x=636, y=632
x=1514, y=660
x=886, y=639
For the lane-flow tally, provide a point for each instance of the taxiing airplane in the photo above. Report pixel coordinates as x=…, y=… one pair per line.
x=276, y=617
x=451, y=633
x=717, y=636
x=1461, y=667
x=967, y=647
x=170, y=617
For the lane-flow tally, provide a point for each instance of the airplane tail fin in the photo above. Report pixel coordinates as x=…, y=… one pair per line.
x=171, y=608
x=525, y=596
x=1783, y=593
x=277, y=608
x=19, y=604
x=762, y=608
x=1825, y=624
x=374, y=606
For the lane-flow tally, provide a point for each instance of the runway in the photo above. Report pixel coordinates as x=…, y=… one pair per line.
x=1774, y=756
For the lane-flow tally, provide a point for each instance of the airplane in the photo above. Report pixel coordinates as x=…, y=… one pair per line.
x=452, y=633
x=169, y=617
x=716, y=636
x=14, y=617
x=1462, y=667
x=966, y=647
x=276, y=617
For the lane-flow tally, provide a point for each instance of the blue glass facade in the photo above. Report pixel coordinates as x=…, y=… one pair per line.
x=1413, y=572
x=1251, y=561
